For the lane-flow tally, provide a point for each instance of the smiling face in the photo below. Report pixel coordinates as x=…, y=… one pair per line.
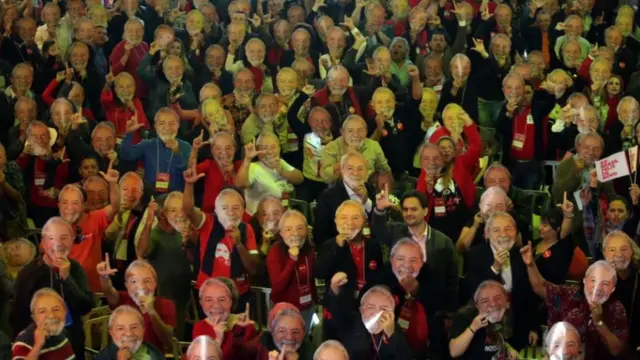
x=406, y=261
x=565, y=345
x=216, y=303
x=256, y=52
x=336, y=42
x=294, y=230
x=354, y=132
x=618, y=252
x=195, y=22
x=166, y=126
x=223, y=149
x=229, y=209
x=269, y=214
x=288, y=330
x=173, y=69
x=599, y=284
x=71, y=205
x=502, y=233
x=629, y=111
x=267, y=108
x=134, y=32
x=49, y=313
x=492, y=301
x=372, y=304
x=57, y=240
x=131, y=190
x=127, y=331
x=22, y=78
x=25, y=112
x=349, y=220
x=140, y=281
x=460, y=68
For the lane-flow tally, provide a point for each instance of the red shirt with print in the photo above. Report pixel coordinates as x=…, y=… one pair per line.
x=214, y=181
x=239, y=343
x=89, y=251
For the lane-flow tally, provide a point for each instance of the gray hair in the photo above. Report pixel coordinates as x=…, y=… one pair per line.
x=493, y=190
x=460, y=57
x=215, y=282
x=255, y=40
x=172, y=57
x=558, y=329
x=627, y=99
x=71, y=187
x=496, y=166
x=406, y=242
x=20, y=66
x=42, y=293
x=95, y=178
x=330, y=344
x=485, y=284
x=378, y=289
x=133, y=20
x=57, y=220
x=104, y=125
x=352, y=154
x=512, y=74
x=287, y=312
x=206, y=341
x=335, y=69
x=125, y=309
x=354, y=203
x=606, y=266
x=499, y=214
x=228, y=191
x=33, y=124
x=166, y=110
x=140, y=264
x=26, y=99
x=219, y=134
x=321, y=109
x=291, y=213
x=134, y=174
x=266, y=134
x=615, y=234
x=581, y=137
x=601, y=61
x=351, y=118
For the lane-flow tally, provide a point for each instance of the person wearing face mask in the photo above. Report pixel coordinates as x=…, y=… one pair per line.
x=53, y=268
x=212, y=70
x=352, y=252
x=573, y=28
x=287, y=339
x=121, y=103
x=270, y=175
x=45, y=337
x=86, y=75
x=265, y=222
x=371, y=331
x=337, y=46
x=353, y=139
x=301, y=46
x=227, y=244
x=220, y=171
x=494, y=199
x=102, y=149
x=22, y=77
x=338, y=92
x=47, y=31
x=291, y=265
x=255, y=52
x=289, y=96
x=460, y=128
x=127, y=55
x=601, y=320
x=563, y=342
x=265, y=118
x=376, y=71
x=203, y=347
x=127, y=330
x=208, y=119
x=524, y=132
x=623, y=253
x=141, y=281
x=240, y=101
x=476, y=331
x=19, y=46
x=164, y=157
x=577, y=173
x=460, y=89
x=25, y=110
x=628, y=114
x=97, y=190
x=331, y=350
x=498, y=260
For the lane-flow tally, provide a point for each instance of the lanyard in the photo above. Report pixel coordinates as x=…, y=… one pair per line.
x=377, y=347
x=158, y=157
x=306, y=261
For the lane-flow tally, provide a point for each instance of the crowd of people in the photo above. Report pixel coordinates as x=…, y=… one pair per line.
x=419, y=179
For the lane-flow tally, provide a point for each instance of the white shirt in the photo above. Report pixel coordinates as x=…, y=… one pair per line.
x=264, y=181
x=422, y=240
x=368, y=205
x=505, y=273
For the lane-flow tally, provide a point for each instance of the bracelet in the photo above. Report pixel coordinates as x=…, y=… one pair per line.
x=470, y=329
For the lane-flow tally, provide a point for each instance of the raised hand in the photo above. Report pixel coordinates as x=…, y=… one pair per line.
x=77, y=120
x=388, y=323
x=382, y=199
x=111, y=175
x=133, y=125
x=152, y=208
x=634, y=192
x=309, y=89
x=198, y=142
x=561, y=26
x=566, y=206
x=250, y=151
x=413, y=72
x=191, y=176
x=527, y=254
x=348, y=22
x=479, y=322
x=318, y=4
x=478, y=46
x=244, y=319
x=104, y=268
x=256, y=20
x=110, y=78
x=338, y=280
x=372, y=68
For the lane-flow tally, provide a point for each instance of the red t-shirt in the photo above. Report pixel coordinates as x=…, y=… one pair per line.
x=165, y=308
x=36, y=190
x=89, y=251
x=214, y=181
x=224, y=249
x=236, y=343
x=357, y=252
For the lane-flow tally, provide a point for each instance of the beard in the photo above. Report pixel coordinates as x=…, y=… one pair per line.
x=129, y=342
x=388, y=112
x=216, y=315
x=138, y=294
x=354, y=141
x=125, y=97
x=294, y=241
x=338, y=90
x=503, y=243
x=268, y=119
x=271, y=226
x=53, y=326
x=167, y=137
x=173, y=79
x=286, y=92
x=353, y=181
x=38, y=150
x=404, y=271
x=271, y=161
x=291, y=345
x=351, y=233
x=228, y=222
x=620, y=262
x=495, y=315
x=71, y=218
x=256, y=62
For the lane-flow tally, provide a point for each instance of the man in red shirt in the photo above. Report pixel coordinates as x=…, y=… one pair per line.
x=91, y=225
x=227, y=244
x=141, y=281
x=219, y=171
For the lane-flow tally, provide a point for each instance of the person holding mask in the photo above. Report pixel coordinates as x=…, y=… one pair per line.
x=126, y=328
x=205, y=347
x=240, y=101
x=476, y=329
x=54, y=269
x=266, y=223
x=86, y=75
x=563, y=342
x=460, y=89
x=271, y=175
x=140, y=281
x=227, y=244
x=265, y=118
x=45, y=337
x=623, y=253
x=165, y=158
x=331, y=350
x=338, y=92
x=127, y=55
x=291, y=265
x=498, y=260
x=236, y=334
x=371, y=331
x=287, y=339
x=121, y=103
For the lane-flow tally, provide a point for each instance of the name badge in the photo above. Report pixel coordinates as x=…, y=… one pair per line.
x=366, y=231
x=119, y=141
x=439, y=207
x=529, y=119
x=38, y=181
x=518, y=141
x=306, y=299
x=162, y=182
x=404, y=324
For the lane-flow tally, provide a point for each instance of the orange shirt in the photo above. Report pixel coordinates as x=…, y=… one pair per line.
x=89, y=251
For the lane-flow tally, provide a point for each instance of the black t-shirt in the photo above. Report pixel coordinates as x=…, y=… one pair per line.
x=553, y=263
x=480, y=347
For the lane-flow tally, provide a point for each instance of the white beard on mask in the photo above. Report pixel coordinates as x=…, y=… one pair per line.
x=53, y=326
x=559, y=91
x=137, y=295
x=494, y=316
x=295, y=241
x=129, y=342
x=271, y=161
x=38, y=150
x=268, y=119
x=355, y=142
x=125, y=98
x=291, y=345
x=270, y=225
x=166, y=138
x=404, y=271
x=503, y=243
x=256, y=62
x=388, y=112
x=216, y=316
x=349, y=233
x=286, y=92
x=338, y=91
x=620, y=263
x=228, y=222
x=583, y=129
x=353, y=182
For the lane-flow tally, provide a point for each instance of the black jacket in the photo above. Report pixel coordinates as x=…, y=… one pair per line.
x=326, y=208
x=478, y=262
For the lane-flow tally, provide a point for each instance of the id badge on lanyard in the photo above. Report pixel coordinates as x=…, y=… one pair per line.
x=406, y=313
x=162, y=178
x=439, y=207
x=304, y=287
x=518, y=141
x=39, y=178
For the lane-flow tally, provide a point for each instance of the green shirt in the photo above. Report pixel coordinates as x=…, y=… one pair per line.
x=171, y=264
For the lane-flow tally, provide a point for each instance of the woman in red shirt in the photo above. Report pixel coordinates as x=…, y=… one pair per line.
x=290, y=264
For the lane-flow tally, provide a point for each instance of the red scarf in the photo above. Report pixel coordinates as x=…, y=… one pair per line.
x=258, y=76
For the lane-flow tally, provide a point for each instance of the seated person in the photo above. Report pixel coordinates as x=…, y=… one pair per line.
x=236, y=333
x=126, y=328
x=97, y=190
x=476, y=328
x=271, y=175
x=331, y=350
x=563, y=342
x=600, y=319
x=203, y=347
x=45, y=337
x=17, y=253
x=141, y=280
x=370, y=332
x=287, y=335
